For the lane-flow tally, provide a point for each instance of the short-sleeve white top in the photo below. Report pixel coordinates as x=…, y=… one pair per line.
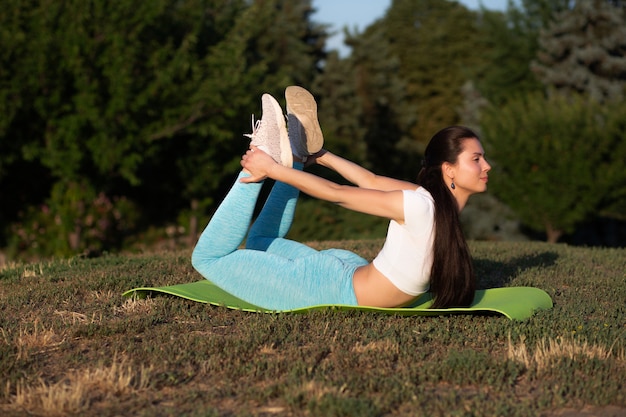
x=406, y=258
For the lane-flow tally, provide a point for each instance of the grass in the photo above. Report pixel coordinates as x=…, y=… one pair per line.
x=70, y=344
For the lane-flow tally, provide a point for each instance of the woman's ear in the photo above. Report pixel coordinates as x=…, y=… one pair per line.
x=448, y=170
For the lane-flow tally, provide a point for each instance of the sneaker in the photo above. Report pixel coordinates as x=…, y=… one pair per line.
x=305, y=133
x=270, y=133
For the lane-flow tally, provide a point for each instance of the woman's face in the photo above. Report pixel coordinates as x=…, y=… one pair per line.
x=469, y=173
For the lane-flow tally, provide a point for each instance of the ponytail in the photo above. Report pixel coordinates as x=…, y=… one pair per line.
x=452, y=279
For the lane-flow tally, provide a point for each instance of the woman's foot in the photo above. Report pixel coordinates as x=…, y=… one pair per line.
x=270, y=133
x=305, y=133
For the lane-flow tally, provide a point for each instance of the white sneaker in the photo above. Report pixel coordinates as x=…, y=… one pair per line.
x=270, y=133
x=305, y=133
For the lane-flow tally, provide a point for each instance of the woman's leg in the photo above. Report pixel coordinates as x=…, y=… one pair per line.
x=277, y=274
x=265, y=279
x=229, y=225
x=269, y=229
x=276, y=283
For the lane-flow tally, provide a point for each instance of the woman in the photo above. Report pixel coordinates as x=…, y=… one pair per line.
x=424, y=250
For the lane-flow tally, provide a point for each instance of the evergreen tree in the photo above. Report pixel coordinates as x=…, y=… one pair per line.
x=378, y=113
x=403, y=82
x=558, y=161
x=340, y=109
x=139, y=105
x=510, y=46
x=271, y=45
x=438, y=45
x=583, y=50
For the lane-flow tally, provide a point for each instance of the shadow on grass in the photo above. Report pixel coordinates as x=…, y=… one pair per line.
x=492, y=274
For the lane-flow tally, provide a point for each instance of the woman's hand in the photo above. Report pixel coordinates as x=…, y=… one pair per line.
x=257, y=163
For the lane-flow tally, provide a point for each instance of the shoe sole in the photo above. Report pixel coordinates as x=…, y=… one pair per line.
x=286, y=157
x=302, y=105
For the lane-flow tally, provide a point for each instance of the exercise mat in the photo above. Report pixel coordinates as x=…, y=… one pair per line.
x=516, y=303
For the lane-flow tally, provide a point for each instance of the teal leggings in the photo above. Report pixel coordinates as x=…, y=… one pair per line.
x=271, y=272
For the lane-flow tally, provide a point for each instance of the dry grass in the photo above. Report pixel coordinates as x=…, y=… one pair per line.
x=135, y=306
x=550, y=351
x=316, y=390
x=37, y=340
x=387, y=346
x=78, y=390
x=65, y=330
x=74, y=317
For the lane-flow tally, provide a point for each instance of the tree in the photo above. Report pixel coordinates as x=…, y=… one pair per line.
x=583, y=50
x=438, y=47
x=510, y=45
x=142, y=101
x=281, y=36
x=366, y=102
x=557, y=161
x=272, y=44
x=102, y=87
x=401, y=83
x=340, y=109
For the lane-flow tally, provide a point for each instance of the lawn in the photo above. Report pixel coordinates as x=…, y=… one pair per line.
x=70, y=344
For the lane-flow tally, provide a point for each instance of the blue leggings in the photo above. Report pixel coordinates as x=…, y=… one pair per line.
x=271, y=272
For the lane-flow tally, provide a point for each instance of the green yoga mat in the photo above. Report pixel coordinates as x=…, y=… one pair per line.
x=516, y=303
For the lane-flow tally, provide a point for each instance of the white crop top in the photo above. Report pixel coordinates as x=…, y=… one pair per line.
x=406, y=258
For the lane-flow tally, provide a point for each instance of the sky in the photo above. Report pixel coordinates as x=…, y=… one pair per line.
x=360, y=13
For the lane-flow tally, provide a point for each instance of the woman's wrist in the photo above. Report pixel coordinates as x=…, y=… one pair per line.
x=322, y=157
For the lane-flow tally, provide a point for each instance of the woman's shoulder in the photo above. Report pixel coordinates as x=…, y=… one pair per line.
x=419, y=194
x=418, y=203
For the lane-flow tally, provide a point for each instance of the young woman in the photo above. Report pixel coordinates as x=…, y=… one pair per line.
x=424, y=250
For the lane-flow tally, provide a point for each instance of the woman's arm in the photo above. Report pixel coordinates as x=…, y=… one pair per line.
x=388, y=204
x=360, y=176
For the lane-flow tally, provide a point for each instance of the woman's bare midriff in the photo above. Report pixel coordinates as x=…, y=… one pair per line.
x=374, y=289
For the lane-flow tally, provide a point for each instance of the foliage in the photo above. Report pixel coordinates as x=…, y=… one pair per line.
x=583, y=50
x=142, y=102
x=401, y=83
x=65, y=320
x=511, y=43
x=142, y=106
x=339, y=108
x=508, y=43
x=556, y=161
x=77, y=220
x=316, y=220
x=374, y=115
x=109, y=85
x=434, y=43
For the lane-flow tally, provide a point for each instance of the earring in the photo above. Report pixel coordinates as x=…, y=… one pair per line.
x=452, y=185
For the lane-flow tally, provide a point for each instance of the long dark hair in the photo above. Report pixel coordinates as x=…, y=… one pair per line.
x=452, y=279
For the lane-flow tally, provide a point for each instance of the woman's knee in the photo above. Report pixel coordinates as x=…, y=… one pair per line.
x=201, y=261
x=258, y=242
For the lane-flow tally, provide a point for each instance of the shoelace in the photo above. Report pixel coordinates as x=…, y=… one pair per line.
x=255, y=128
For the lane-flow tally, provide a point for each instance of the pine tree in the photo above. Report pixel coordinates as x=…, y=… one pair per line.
x=509, y=42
